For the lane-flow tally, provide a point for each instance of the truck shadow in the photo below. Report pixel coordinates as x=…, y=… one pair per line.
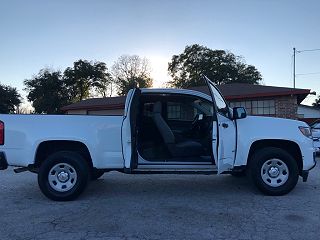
x=166, y=186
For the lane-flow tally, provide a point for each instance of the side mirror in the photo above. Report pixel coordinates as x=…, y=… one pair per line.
x=239, y=113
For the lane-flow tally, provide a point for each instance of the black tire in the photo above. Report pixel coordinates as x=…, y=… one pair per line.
x=265, y=156
x=76, y=163
x=96, y=174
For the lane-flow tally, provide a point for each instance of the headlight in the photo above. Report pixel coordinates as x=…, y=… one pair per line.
x=306, y=131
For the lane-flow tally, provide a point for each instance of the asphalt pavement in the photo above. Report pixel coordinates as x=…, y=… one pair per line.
x=121, y=206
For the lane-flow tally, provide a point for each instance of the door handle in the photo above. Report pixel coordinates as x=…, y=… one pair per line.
x=225, y=125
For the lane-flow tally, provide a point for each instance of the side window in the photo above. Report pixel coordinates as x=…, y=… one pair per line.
x=180, y=111
x=222, y=107
x=185, y=109
x=203, y=107
x=147, y=109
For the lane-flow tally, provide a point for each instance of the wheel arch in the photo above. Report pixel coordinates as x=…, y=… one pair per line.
x=290, y=146
x=49, y=147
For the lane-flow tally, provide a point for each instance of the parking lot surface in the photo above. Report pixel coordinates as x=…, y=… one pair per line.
x=123, y=206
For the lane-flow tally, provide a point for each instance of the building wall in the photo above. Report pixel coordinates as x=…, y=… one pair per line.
x=256, y=106
x=308, y=112
x=110, y=112
x=287, y=107
x=283, y=107
x=80, y=112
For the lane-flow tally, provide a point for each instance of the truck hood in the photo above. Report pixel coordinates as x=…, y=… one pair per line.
x=255, y=128
x=267, y=122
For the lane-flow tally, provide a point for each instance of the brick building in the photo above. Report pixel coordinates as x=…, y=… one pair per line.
x=257, y=99
x=262, y=100
x=97, y=106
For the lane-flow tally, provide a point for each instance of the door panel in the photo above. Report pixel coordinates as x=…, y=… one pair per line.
x=224, y=138
x=227, y=143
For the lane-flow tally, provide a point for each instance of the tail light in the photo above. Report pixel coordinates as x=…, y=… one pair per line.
x=1, y=133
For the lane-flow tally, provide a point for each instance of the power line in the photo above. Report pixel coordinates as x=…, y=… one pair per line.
x=308, y=50
x=311, y=73
x=295, y=51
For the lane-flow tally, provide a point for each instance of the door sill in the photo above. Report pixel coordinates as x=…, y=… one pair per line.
x=176, y=171
x=142, y=161
x=209, y=167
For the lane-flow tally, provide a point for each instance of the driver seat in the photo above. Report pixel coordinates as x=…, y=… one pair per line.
x=184, y=148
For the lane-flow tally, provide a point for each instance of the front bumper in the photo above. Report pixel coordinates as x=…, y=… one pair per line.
x=317, y=149
x=305, y=173
x=3, y=161
x=314, y=160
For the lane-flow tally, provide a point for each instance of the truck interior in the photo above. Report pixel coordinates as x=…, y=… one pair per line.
x=174, y=128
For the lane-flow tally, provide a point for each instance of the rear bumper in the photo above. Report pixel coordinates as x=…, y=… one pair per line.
x=3, y=161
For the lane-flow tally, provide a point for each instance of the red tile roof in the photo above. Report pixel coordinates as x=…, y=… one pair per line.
x=230, y=91
x=242, y=90
x=98, y=103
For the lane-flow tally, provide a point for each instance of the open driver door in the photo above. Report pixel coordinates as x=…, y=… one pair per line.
x=223, y=131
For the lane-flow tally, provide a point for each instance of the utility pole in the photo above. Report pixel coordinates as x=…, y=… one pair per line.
x=294, y=67
x=295, y=51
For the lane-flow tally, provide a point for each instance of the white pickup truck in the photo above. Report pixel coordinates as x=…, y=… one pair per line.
x=162, y=131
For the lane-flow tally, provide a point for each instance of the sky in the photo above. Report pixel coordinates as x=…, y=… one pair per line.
x=42, y=33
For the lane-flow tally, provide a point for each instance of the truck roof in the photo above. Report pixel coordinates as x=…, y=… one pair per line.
x=177, y=91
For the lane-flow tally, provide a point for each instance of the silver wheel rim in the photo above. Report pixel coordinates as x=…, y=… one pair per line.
x=274, y=172
x=62, y=177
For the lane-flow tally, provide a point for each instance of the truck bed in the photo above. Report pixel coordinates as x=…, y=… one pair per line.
x=100, y=134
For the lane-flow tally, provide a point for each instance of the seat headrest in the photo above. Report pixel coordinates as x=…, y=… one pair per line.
x=157, y=107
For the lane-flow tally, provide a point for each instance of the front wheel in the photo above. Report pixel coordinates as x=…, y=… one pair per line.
x=63, y=176
x=274, y=171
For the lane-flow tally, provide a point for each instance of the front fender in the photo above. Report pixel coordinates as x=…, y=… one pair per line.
x=253, y=129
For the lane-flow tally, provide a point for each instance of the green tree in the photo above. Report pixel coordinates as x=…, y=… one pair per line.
x=47, y=92
x=85, y=76
x=130, y=72
x=220, y=66
x=9, y=99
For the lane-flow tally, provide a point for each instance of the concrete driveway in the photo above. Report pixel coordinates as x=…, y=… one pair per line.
x=123, y=206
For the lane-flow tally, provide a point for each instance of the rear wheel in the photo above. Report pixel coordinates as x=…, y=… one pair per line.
x=63, y=176
x=274, y=171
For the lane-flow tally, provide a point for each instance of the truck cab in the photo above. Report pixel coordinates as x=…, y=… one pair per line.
x=179, y=130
